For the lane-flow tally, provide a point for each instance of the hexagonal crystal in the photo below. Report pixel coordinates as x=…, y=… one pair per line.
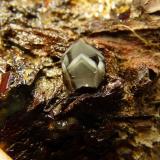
x=83, y=66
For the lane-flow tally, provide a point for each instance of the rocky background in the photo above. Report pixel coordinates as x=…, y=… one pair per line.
x=40, y=120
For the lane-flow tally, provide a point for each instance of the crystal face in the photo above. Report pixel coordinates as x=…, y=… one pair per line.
x=83, y=66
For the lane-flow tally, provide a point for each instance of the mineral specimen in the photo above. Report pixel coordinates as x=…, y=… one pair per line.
x=83, y=66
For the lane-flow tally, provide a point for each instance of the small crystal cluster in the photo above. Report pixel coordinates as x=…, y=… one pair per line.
x=83, y=66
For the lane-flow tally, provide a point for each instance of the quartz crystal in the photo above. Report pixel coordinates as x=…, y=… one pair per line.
x=83, y=66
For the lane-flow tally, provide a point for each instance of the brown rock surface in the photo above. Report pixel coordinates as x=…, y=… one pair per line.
x=39, y=120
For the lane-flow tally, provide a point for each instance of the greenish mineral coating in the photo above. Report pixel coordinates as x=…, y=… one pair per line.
x=83, y=66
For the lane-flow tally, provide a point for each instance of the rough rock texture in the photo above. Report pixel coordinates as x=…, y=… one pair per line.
x=40, y=120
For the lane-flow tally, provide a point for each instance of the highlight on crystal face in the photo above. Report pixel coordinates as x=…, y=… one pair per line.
x=83, y=66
